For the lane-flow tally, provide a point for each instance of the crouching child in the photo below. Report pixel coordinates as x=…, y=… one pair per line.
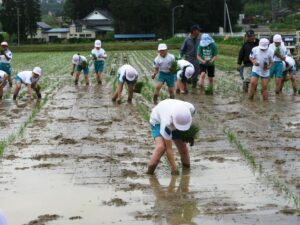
x=30, y=79
x=129, y=75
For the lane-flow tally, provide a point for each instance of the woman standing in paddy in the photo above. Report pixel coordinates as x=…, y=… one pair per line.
x=98, y=54
x=162, y=65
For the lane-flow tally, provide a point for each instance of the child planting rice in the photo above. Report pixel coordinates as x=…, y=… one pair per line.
x=98, y=55
x=3, y=79
x=80, y=63
x=5, y=60
x=186, y=71
x=30, y=79
x=126, y=74
x=167, y=119
x=167, y=73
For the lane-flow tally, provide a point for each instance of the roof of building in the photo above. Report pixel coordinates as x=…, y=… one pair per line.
x=43, y=25
x=58, y=30
x=134, y=36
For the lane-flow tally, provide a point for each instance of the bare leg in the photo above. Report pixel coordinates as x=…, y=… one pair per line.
x=18, y=87
x=264, y=84
x=87, y=80
x=278, y=85
x=77, y=78
x=202, y=79
x=99, y=78
x=184, y=152
x=156, y=155
x=156, y=93
x=253, y=84
x=294, y=83
x=171, y=92
x=130, y=93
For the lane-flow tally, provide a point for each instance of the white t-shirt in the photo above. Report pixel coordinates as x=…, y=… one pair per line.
x=127, y=69
x=261, y=57
x=3, y=220
x=162, y=114
x=283, y=51
x=3, y=59
x=100, y=54
x=164, y=63
x=79, y=60
x=27, y=78
x=183, y=63
x=2, y=74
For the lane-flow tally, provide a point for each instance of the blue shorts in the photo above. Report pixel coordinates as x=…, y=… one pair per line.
x=258, y=76
x=169, y=78
x=99, y=66
x=85, y=70
x=6, y=68
x=276, y=69
x=155, y=131
x=18, y=79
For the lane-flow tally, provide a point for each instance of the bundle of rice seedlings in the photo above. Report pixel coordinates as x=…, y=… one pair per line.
x=138, y=87
x=189, y=135
x=209, y=90
x=174, y=67
x=94, y=56
x=84, y=64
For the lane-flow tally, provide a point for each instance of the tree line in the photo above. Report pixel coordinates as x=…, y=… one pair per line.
x=138, y=16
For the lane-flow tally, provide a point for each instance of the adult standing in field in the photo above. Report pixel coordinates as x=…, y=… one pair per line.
x=5, y=60
x=279, y=54
x=81, y=64
x=244, y=65
x=162, y=64
x=186, y=72
x=166, y=119
x=206, y=54
x=3, y=80
x=262, y=60
x=188, y=50
x=126, y=74
x=30, y=79
x=98, y=54
x=289, y=73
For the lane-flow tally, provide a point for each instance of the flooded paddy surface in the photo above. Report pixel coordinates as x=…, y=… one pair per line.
x=83, y=161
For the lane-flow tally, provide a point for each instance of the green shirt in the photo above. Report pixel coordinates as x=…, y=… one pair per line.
x=208, y=52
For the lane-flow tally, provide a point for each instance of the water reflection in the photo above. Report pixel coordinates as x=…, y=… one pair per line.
x=174, y=203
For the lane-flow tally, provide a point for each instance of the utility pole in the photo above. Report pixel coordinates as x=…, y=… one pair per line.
x=224, y=26
x=173, y=12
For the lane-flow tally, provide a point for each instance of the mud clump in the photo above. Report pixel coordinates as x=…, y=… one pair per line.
x=133, y=187
x=11, y=157
x=42, y=220
x=102, y=130
x=44, y=165
x=216, y=158
x=75, y=218
x=116, y=202
x=279, y=161
x=289, y=211
x=140, y=215
x=67, y=141
x=129, y=173
x=49, y=156
x=22, y=168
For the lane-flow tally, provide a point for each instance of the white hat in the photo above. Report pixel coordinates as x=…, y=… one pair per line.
x=290, y=61
x=162, y=46
x=37, y=70
x=75, y=59
x=206, y=40
x=97, y=44
x=130, y=73
x=4, y=43
x=263, y=43
x=277, y=38
x=182, y=118
x=189, y=71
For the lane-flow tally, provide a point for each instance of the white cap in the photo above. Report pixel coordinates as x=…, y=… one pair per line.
x=182, y=118
x=290, y=61
x=4, y=43
x=75, y=59
x=130, y=73
x=263, y=43
x=37, y=70
x=189, y=71
x=97, y=44
x=277, y=38
x=162, y=46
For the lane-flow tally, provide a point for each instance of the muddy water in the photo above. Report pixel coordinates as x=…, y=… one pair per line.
x=83, y=161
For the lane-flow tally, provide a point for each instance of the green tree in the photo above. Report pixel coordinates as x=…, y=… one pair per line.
x=33, y=15
x=78, y=9
x=8, y=16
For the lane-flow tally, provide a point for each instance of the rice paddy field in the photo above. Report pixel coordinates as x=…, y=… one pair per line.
x=77, y=158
